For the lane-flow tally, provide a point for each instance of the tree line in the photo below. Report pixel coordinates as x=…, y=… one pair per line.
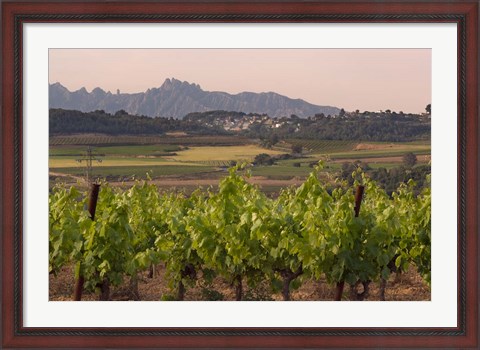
x=387, y=127
x=62, y=121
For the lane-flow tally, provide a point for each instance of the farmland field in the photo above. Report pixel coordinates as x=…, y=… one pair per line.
x=138, y=171
x=180, y=156
x=99, y=139
x=381, y=153
x=65, y=162
x=209, y=153
x=134, y=150
x=324, y=146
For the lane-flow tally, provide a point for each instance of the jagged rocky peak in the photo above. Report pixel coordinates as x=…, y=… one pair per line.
x=58, y=85
x=166, y=84
x=82, y=91
x=98, y=91
x=173, y=83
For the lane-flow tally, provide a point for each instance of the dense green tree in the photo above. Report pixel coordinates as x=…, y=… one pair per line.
x=391, y=179
x=263, y=159
x=409, y=160
x=297, y=148
x=274, y=139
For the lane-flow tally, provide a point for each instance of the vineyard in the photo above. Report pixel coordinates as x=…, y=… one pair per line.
x=117, y=150
x=105, y=140
x=342, y=235
x=324, y=146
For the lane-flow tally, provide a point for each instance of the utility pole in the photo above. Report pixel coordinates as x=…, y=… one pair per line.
x=88, y=157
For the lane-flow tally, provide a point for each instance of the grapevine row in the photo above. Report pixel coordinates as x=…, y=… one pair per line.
x=240, y=234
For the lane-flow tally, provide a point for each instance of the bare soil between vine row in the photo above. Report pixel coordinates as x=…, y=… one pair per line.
x=407, y=286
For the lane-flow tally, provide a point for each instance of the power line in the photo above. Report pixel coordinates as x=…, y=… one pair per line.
x=89, y=157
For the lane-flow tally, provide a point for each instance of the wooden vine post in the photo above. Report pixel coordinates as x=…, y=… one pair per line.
x=358, y=199
x=92, y=206
x=358, y=202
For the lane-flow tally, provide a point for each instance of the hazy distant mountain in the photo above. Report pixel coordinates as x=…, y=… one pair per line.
x=176, y=99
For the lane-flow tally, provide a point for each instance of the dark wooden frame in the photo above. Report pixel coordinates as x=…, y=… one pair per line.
x=462, y=12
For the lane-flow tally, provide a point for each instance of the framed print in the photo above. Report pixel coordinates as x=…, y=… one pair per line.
x=245, y=153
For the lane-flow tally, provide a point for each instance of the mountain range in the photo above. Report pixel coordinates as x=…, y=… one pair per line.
x=176, y=99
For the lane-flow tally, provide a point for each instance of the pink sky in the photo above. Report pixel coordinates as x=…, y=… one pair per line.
x=364, y=79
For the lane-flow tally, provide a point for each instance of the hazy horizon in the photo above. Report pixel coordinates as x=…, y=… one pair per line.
x=364, y=79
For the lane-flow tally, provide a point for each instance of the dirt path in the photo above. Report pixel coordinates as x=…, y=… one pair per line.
x=77, y=178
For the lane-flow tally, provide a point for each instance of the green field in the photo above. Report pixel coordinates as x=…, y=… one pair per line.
x=222, y=153
x=66, y=162
x=134, y=150
x=178, y=156
x=380, y=153
x=353, y=150
x=137, y=171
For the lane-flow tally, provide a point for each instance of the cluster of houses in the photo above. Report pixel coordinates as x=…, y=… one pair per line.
x=239, y=123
